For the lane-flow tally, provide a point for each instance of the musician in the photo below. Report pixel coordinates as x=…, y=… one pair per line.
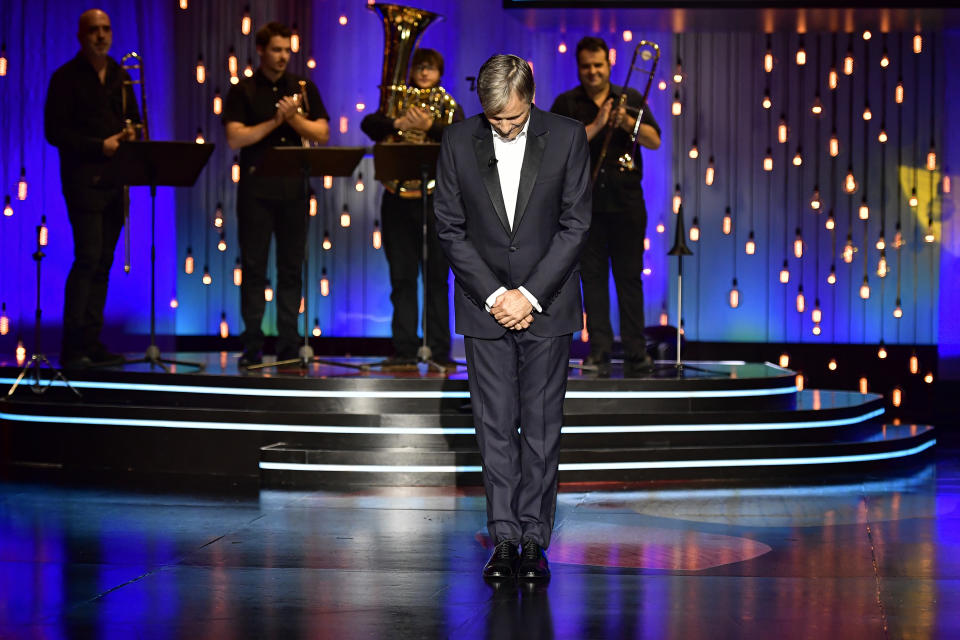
x=402, y=227
x=84, y=119
x=263, y=111
x=619, y=214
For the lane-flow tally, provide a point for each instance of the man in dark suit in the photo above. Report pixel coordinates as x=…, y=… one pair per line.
x=513, y=212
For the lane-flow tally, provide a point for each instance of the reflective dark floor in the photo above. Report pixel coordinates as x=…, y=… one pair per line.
x=873, y=558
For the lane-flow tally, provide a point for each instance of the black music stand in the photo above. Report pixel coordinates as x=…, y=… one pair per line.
x=158, y=164
x=410, y=161
x=304, y=163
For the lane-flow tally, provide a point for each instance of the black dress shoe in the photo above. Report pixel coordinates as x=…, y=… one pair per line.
x=503, y=562
x=398, y=363
x=533, y=562
x=637, y=367
x=598, y=362
x=248, y=358
x=74, y=361
x=100, y=357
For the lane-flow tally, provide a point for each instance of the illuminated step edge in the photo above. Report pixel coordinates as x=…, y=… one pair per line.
x=297, y=428
x=609, y=466
x=320, y=393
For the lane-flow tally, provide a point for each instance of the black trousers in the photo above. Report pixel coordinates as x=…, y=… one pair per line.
x=96, y=229
x=615, y=238
x=519, y=380
x=402, y=238
x=257, y=219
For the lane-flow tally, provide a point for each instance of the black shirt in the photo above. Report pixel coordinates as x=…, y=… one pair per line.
x=615, y=188
x=254, y=100
x=80, y=112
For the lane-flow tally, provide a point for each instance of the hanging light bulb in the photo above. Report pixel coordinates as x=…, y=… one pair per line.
x=865, y=289
x=882, y=351
x=303, y=304
x=677, y=199
x=312, y=204
x=234, y=78
x=766, y=103
x=676, y=108
x=222, y=243
x=849, y=182
x=797, y=158
x=751, y=247
x=882, y=268
x=324, y=283
x=815, y=329
x=801, y=300
x=22, y=184
x=782, y=129
x=917, y=43
x=885, y=59
x=3, y=60
x=898, y=92
x=199, y=139
x=897, y=236
x=848, y=63
x=817, y=314
x=896, y=396
x=867, y=114
x=914, y=363
x=21, y=352
x=831, y=222
x=661, y=227
x=798, y=245
x=7, y=208
x=294, y=39
x=328, y=182
x=945, y=185
x=233, y=65
x=311, y=63
x=784, y=273
x=4, y=320
x=832, y=365
x=235, y=170
x=799, y=381
x=218, y=216
x=695, y=230
x=174, y=303
x=801, y=55
x=863, y=211
x=43, y=234
x=188, y=262
x=867, y=34
x=201, y=71
x=832, y=78
x=327, y=243
x=898, y=310
x=224, y=327
x=832, y=276
x=207, y=278
x=768, y=160
x=217, y=103
x=815, y=202
x=834, y=144
x=345, y=217
x=863, y=385
x=913, y=201
x=848, y=249
x=316, y=328
x=694, y=152
x=931, y=160
x=248, y=69
x=359, y=185
x=342, y=20
x=784, y=360
x=377, y=239
x=711, y=172
x=929, y=236
x=727, y=225
x=646, y=244
x=678, y=72
x=734, y=297
x=237, y=273
x=246, y=23
x=817, y=107
x=268, y=292
x=664, y=318
x=882, y=136
x=768, y=60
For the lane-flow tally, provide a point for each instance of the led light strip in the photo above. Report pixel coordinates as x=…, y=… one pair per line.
x=320, y=393
x=608, y=466
x=360, y=430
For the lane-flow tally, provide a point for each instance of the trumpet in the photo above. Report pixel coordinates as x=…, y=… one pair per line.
x=649, y=53
x=132, y=62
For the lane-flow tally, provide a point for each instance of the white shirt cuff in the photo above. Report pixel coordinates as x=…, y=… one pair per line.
x=530, y=298
x=492, y=298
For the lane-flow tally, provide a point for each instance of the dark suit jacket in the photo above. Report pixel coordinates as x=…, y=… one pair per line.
x=552, y=218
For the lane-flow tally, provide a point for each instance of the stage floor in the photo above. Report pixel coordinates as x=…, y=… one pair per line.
x=874, y=559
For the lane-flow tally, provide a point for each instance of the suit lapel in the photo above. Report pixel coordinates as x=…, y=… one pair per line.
x=483, y=148
x=532, y=158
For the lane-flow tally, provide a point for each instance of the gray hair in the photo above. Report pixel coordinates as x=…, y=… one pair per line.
x=499, y=77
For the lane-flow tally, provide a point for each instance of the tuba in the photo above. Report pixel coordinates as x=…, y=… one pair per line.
x=402, y=29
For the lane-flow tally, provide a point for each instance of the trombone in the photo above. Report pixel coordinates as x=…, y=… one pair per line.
x=649, y=53
x=132, y=61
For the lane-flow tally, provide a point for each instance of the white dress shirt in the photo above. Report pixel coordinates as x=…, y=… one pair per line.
x=509, y=155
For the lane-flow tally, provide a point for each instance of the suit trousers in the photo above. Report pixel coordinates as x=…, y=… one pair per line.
x=616, y=238
x=519, y=381
x=96, y=230
x=257, y=220
x=402, y=244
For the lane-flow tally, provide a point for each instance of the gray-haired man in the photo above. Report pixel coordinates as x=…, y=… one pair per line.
x=513, y=211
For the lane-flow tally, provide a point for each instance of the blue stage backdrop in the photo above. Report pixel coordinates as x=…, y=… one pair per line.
x=723, y=82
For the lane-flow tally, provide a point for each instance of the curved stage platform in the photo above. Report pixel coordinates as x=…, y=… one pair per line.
x=330, y=425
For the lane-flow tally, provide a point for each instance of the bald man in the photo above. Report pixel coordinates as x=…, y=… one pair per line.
x=84, y=120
